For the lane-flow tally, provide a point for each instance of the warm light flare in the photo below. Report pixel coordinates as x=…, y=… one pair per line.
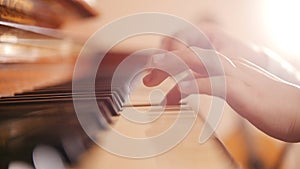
x=283, y=24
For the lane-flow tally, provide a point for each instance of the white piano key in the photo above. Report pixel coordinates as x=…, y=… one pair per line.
x=19, y=165
x=45, y=157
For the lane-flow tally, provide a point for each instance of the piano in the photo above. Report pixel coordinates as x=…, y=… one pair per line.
x=39, y=127
x=46, y=116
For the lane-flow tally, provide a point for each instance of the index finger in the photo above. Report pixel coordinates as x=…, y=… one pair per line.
x=201, y=61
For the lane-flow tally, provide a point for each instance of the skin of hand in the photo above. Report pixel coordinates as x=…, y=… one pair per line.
x=268, y=102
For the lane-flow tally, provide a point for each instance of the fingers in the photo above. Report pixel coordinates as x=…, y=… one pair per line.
x=237, y=93
x=174, y=96
x=249, y=90
x=215, y=38
x=155, y=77
x=270, y=105
x=211, y=86
x=239, y=75
x=170, y=64
x=164, y=65
x=203, y=62
x=188, y=37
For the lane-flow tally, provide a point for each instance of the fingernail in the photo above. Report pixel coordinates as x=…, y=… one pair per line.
x=147, y=78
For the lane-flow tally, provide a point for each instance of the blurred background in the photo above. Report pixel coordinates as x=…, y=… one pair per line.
x=268, y=23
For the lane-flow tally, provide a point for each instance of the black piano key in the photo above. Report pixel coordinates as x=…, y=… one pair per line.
x=23, y=109
x=65, y=92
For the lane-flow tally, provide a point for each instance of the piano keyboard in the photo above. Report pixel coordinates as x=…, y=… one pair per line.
x=45, y=119
x=47, y=116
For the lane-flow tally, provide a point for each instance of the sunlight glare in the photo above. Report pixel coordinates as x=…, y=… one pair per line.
x=282, y=19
